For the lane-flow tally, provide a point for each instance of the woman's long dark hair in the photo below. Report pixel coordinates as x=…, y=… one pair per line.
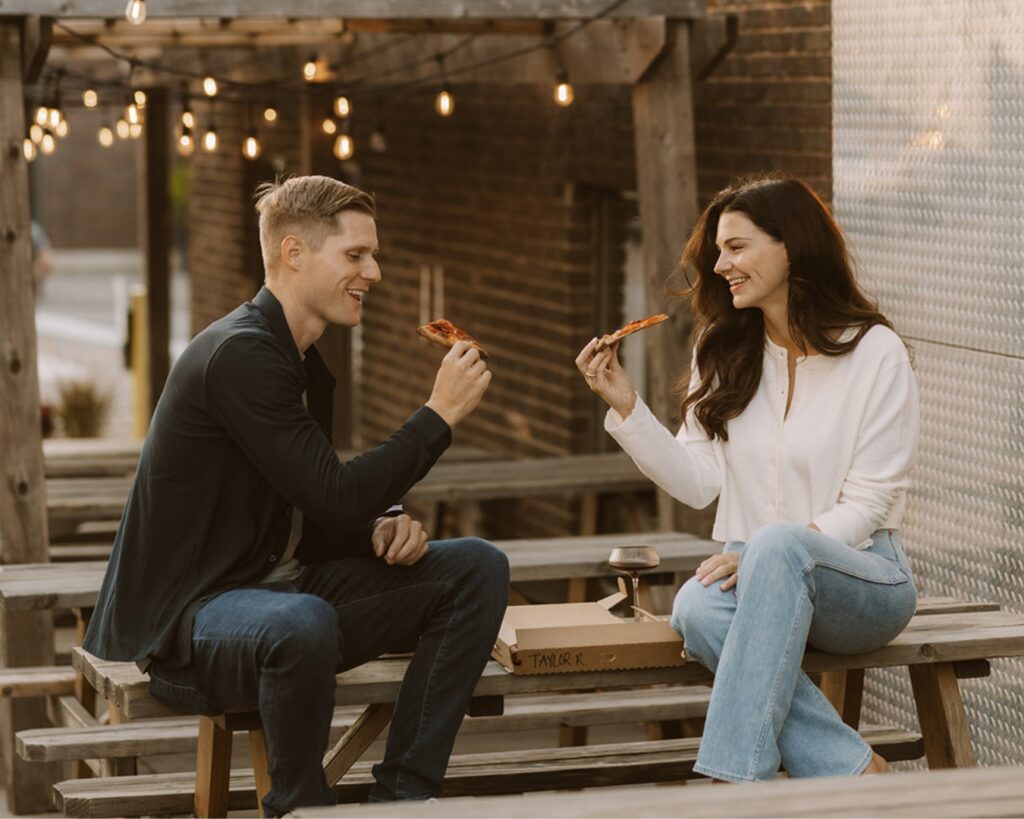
x=824, y=299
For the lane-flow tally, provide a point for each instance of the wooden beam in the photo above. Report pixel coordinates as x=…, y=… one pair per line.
x=667, y=185
x=711, y=38
x=37, y=36
x=156, y=239
x=25, y=639
x=362, y=9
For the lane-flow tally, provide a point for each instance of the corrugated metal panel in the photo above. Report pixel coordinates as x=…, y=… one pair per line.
x=929, y=185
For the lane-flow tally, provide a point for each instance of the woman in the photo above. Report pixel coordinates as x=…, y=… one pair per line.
x=801, y=417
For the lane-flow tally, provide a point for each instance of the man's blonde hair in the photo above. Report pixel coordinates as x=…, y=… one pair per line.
x=306, y=206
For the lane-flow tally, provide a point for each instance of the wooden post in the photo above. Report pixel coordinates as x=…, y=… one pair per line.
x=156, y=242
x=667, y=184
x=25, y=639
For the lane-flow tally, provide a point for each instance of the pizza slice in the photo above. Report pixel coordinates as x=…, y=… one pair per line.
x=443, y=332
x=640, y=324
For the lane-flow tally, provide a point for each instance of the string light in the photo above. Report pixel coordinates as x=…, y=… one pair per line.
x=135, y=130
x=35, y=132
x=342, y=106
x=310, y=68
x=54, y=116
x=140, y=97
x=135, y=12
x=270, y=114
x=210, y=86
x=251, y=147
x=28, y=150
x=330, y=126
x=563, y=93
x=90, y=99
x=188, y=118
x=444, y=102
x=62, y=128
x=42, y=115
x=48, y=144
x=186, y=144
x=378, y=142
x=106, y=136
x=210, y=140
x=344, y=147
x=131, y=112
x=124, y=130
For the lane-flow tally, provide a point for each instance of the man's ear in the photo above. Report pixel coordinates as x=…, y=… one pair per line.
x=292, y=250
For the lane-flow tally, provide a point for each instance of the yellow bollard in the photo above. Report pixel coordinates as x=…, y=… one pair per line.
x=140, y=363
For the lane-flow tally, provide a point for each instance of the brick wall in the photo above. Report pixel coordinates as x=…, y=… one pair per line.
x=768, y=105
x=85, y=194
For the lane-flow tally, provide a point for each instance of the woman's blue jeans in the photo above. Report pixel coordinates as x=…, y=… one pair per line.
x=796, y=587
x=278, y=647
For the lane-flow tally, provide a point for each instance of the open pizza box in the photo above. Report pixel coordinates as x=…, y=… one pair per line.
x=552, y=639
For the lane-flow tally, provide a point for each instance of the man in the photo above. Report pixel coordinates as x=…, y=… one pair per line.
x=251, y=564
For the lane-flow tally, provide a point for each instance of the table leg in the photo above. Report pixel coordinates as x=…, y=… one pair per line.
x=356, y=740
x=845, y=690
x=940, y=712
x=213, y=768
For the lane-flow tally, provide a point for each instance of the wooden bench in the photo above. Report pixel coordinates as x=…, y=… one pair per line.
x=933, y=646
x=954, y=793
x=468, y=774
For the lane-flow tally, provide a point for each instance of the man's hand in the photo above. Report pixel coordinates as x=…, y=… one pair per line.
x=461, y=382
x=399, y=540
x=726, y=564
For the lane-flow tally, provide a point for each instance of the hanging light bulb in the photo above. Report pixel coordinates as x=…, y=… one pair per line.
x=140, y=97
x=210, y=139
x=28, y=150
x=35, y=132
x=344, y=147
x=251, y=147
x=378, y=142
x=135, y=12
x=90, y=99
x=444, y=103
x=62, y=128
x=131, y=113
x=563, y=93
x=188, y=118
x=48, y=144
x=124, y=130
x=106, y=136
x=186, y=143
x=270, y=114
x=53, y=117
x=42, y=115
x=134, y=130
x=330, y=126
x=342, y=106
x=310, y=68
x=209, y=86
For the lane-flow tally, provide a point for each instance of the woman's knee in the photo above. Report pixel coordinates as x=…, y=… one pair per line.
x=698, y=616
x=776, y=541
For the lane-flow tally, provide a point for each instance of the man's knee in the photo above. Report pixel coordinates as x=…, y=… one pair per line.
x=479, y=559
x=303, y=625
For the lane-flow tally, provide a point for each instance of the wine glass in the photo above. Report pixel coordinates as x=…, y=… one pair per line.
x=632, y=561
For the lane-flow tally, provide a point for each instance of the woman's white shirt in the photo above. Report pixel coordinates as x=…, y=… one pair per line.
x=840, y=458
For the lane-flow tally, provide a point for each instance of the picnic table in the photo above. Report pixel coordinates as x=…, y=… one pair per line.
x=964, y=792
x=463, y=484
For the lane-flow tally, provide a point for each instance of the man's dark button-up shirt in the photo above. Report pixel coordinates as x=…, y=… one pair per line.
x=231, y=449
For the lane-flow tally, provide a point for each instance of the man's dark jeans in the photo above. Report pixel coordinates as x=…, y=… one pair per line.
x=278, y=648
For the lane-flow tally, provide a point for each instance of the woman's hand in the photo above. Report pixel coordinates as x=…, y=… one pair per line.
x=726, y=564
x=605, y=376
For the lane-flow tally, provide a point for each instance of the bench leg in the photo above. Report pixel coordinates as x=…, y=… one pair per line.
x=213, y=768
x=572, y=736
x=260, y=764
x=940, y=712
x=845, y=690
x=356, y=740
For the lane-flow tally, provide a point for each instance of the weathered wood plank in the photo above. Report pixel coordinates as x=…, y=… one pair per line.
x=25, y=639
x=503, y=772
x=360, y=735
x=988, y=792
x=38, y=681
x=361, y=9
